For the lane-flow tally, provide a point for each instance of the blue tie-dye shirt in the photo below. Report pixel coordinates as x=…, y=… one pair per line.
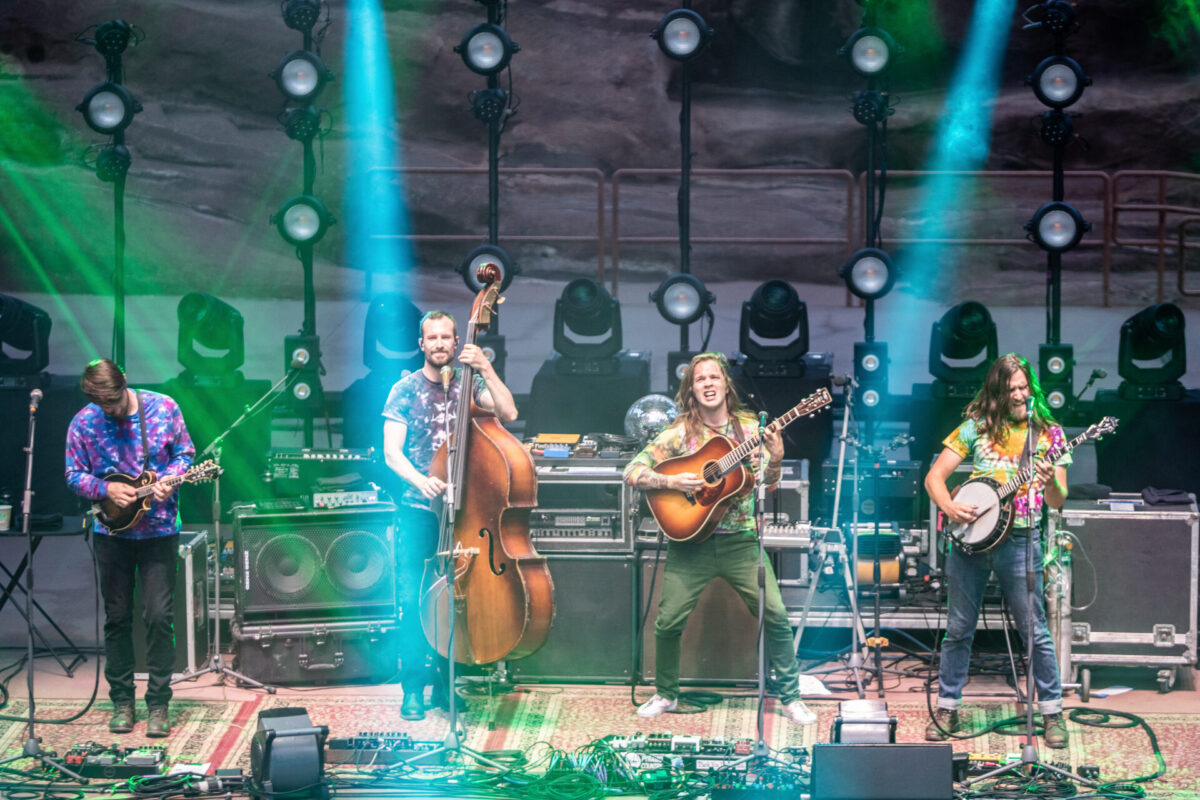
x=99, y=445
x=428, y=414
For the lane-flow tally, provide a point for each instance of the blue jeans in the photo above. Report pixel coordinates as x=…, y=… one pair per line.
x=416, y=541
x=967, y=578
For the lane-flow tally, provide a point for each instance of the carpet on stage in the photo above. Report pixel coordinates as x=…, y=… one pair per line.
x=218, y=733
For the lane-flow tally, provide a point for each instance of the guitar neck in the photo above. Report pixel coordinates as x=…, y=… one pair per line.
x=739, y=453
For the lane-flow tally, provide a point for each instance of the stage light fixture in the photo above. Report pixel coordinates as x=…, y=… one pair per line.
x=486, y=49
x=1055, y=16
x=215, y=326
x=587, y=325
x=301, y=15
x=302, y=220
x=871, y=375
x=682, y=34
x=870, y=107
x=112, y=38
x=26, y=328
x=774, y=330
x=869, y=51
x=108, y=108
x=1058, y=81
x=1056, y=368
x=301, y=123
x=484, y=254
x=1152, y=354
x=112, y=162
x=1057, y=128
x=287, y=756
x=682, y=299
x=302, y=356
x=1057, y=227
x=390, y=334
x=488, y=105
x=962, y=346
x=301, y=75
x=869, y=273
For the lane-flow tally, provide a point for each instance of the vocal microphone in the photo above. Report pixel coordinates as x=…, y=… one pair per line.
x=1029, y=403
x=447, y=372
x=1099, y=373
x=35, y=397
x=842, y=380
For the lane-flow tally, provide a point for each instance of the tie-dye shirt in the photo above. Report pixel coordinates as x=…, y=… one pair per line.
x=99, y=445
x=674, y=441
x=428, y=414
x=1000, y=461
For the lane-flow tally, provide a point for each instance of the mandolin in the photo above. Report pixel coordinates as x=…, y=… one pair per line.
x=116, y=518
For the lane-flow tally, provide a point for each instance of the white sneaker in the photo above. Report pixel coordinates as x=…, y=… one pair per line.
x=655, y=706
x=798, y=713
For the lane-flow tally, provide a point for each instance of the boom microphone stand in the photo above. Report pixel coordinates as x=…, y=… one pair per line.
x=33, y=744
x=216, y=662
x=1029, y=754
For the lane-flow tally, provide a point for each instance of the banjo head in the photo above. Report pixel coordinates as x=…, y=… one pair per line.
x=981, y=494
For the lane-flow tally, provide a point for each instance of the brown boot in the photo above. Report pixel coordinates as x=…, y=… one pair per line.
x=943, y=723
x=122, y=718
x=159, y=724
x=1054, y=731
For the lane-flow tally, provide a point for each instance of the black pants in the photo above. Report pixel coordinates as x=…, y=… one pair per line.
x=416, y=541
x=152, y=562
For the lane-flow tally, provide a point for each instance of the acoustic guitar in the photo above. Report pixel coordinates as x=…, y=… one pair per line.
x=116, y=518
x=692, y=516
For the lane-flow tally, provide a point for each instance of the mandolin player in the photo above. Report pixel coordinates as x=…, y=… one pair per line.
x=126, y=433
x=995, y=435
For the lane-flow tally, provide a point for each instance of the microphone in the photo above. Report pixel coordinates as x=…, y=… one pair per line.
x=35, y=397
x=1099, y=373
x=447, y=372
x=1029, y=403
x=842, y=380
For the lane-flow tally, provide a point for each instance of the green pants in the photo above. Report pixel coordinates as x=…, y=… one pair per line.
x=689, y=568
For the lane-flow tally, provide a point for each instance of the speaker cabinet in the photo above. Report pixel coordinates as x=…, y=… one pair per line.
x=720, y=642
x=318, y=564
x=591, y=640
x=882, y=772
x=191, y=607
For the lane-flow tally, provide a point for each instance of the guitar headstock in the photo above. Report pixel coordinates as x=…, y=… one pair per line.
x=1104, y=426
x=815, y=402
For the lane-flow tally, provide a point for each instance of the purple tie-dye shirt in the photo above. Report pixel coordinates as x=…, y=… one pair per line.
x=98, y=445
x=428, y=413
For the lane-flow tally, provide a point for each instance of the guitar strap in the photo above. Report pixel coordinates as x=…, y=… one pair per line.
x=142, y=425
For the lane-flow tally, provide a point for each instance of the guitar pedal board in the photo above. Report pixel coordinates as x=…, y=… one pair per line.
x=381, y=748
x=92, y=760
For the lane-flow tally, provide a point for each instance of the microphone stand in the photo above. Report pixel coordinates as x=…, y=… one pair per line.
x=1029, y=753
x=760, y=749
x=216, y=662
x=33, y=744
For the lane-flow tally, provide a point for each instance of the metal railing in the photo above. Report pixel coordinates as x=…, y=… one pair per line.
x=1172, y=201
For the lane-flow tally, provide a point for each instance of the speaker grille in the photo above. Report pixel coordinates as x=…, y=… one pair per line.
x=320, y=564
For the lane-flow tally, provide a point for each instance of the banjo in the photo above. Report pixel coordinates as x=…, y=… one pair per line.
x=994, y=501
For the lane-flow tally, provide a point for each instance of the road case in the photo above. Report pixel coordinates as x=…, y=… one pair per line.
x=317, y=652
x=1134, y=586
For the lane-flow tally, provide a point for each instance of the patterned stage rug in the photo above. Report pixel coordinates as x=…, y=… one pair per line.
x=197, y=728
x=219, y=733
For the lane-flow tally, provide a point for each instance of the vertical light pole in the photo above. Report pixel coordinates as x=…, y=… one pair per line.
x=108, y=108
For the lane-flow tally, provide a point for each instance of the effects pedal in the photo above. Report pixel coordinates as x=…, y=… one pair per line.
x=384, y=747
x=92, y=760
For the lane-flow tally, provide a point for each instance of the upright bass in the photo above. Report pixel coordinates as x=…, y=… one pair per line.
x=503, y=594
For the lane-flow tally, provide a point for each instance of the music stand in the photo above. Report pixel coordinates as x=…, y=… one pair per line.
x=33, y=744
x=216, y=662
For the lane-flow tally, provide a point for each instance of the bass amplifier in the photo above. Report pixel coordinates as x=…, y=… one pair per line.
x=587, y=528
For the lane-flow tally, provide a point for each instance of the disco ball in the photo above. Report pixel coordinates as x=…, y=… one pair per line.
x=648, y=416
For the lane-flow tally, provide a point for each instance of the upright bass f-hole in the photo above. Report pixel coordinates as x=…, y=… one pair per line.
x=497, y=569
